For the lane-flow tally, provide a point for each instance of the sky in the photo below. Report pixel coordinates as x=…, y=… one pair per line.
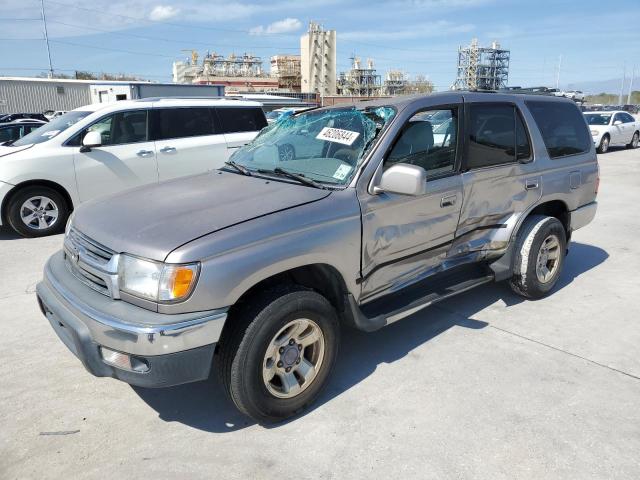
x=589, y=41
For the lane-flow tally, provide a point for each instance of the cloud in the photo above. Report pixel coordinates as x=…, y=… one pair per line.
x=163, y=12
x=286, y=25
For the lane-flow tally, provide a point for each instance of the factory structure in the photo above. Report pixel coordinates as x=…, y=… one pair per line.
x=482, y=68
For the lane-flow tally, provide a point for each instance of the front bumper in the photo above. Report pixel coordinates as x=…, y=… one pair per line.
x=4, y=189
x=176, y=348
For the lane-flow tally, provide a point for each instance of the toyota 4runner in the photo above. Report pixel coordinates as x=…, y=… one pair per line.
x=358, y=215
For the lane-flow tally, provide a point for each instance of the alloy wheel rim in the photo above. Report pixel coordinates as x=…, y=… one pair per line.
x=548, y=260
x=39, y=213
x=293, y=358
x=605, y=144
x=634, y=142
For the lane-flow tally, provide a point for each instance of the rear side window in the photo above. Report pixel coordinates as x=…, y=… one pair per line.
x=497, y=135
x=169, y=123
x=562, y=126
x=9, y=133
x=235, y=120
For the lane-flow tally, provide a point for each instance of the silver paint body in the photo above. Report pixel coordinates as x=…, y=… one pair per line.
x=246, y=229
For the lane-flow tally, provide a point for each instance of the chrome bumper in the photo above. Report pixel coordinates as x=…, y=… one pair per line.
x=122, y=326
x=583, y=216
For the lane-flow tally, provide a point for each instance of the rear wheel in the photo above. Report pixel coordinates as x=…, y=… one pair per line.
x=37, y=211
x=278, y=353
x=604, y=144
x=634, y=141
x=540, y=251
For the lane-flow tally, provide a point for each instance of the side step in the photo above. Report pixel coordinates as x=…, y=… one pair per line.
x=391, y=308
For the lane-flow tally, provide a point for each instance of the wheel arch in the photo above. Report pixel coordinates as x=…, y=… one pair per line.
x=34, y=183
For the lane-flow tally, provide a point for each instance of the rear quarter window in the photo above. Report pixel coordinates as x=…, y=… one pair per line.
x=562, y=126
x=234, y=119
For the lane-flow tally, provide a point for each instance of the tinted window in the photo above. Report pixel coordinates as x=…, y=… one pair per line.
x=492, y=135
x=117, y=129
x=10, y=133
x=523, y=147
x=626, y=118
x=241, y=119
x=182, y=122
x=428, y=140
x=562, y=126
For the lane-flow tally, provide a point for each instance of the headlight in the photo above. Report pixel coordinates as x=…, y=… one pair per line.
x=595, y=133
x=155, y=281
x=69, y=222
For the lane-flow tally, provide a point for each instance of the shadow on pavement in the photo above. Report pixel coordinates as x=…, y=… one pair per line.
x=8, y=234
x=204, y=406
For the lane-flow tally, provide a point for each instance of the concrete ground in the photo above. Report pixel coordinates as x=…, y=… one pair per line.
x=482, y=386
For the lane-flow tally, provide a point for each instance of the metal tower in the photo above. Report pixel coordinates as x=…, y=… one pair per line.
x=482, y=68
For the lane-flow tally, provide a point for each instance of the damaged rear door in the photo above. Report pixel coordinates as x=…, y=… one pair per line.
x=500, y=179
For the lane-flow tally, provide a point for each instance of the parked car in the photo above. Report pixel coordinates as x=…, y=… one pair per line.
x=51, y=114
x=10, y=132
x=104, y=148
x=575, y=95
x=613, y=128
x=253, y=268
x=279, y=113
x=633, y=109
x=11, y=117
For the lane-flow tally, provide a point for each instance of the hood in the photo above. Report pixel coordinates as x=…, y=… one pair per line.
x=9, y=150
x=152, y=221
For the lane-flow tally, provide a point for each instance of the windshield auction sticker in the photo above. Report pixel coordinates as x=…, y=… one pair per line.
x=337, y=135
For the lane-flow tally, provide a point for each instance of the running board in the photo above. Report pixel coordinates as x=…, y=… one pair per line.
x=379, y=313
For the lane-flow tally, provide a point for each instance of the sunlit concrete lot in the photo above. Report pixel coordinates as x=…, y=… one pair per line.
x=483, y=386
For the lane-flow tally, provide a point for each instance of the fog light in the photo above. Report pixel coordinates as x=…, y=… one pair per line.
x=124, y=361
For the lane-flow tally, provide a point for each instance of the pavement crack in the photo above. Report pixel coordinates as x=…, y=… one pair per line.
x=557, y=349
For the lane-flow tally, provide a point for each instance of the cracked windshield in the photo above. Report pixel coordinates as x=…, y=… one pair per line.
x=322, y=146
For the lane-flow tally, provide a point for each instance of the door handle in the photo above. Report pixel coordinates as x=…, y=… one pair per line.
x=448, y=201
x=531, y=184
x=144, y=153
x=168, y=149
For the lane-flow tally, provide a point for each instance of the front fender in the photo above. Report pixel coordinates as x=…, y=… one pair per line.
x=237, y=258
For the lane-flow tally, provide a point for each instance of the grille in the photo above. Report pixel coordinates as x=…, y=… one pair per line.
x=88, y=261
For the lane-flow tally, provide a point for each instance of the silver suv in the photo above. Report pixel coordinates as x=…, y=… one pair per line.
x=354, y=215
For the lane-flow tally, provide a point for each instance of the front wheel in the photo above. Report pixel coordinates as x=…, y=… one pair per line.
x=634, y=141
x=37, y=211
x=278, y=353
x=604, y=144
x=541, y=246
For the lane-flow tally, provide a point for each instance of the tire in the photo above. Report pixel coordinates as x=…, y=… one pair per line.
x=250, y=352
x=634, y=141
x=286, y=152
x=538, y=232
x=45, y=207
x=604, y=144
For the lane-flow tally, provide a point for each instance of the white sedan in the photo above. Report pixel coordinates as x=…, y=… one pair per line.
x=613, y=128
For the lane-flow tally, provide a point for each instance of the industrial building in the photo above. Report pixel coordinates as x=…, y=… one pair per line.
x=34, y=95
x=360, y=80
x=237, y=73
x=482, y=68
x=286, y=68
x=318, y=58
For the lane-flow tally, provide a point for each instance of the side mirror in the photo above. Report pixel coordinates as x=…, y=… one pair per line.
x=91, y=139
x=404, y=179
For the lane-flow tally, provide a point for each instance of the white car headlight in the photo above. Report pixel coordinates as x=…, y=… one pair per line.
x=68, y=226
x=156, y=281
x=594, y=133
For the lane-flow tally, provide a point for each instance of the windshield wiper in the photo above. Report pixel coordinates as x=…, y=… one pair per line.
x=294, y=176
x=240, y=168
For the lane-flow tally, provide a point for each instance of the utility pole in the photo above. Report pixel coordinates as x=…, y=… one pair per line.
x=46, y=37
x=624, y=79
x=558, y=75
x=633, y=74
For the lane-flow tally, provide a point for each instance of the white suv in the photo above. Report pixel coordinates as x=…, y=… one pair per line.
x=103, y=148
